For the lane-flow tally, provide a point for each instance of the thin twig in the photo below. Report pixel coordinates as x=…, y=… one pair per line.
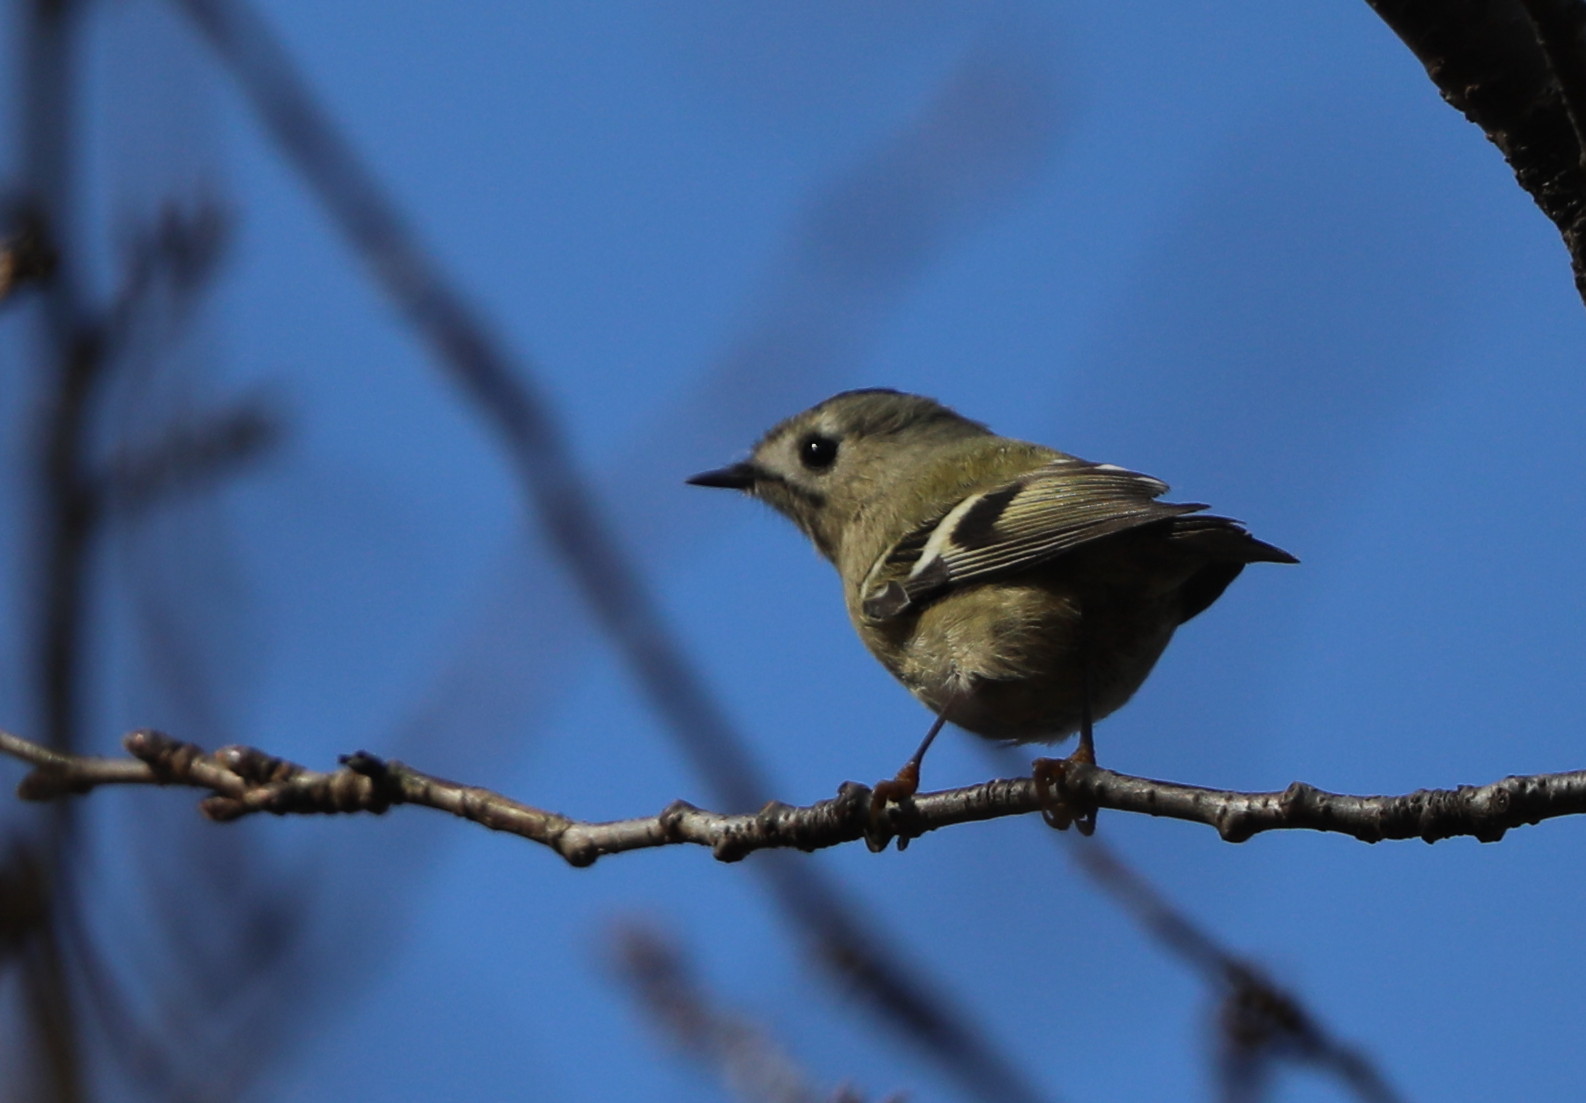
x=244, y=780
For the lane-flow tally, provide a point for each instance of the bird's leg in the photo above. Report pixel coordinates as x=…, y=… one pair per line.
x=1085, y=820
x=1086, y=751
x=906, y=782
x=1048, y=773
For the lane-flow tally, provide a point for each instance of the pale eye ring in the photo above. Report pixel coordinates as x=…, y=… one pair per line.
x=817, y=452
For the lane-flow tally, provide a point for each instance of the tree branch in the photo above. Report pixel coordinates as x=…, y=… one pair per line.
x=1560, y=27
x=1512, y=67
x=243, y=781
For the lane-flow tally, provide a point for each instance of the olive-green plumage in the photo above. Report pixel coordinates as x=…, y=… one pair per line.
x=1013, y=588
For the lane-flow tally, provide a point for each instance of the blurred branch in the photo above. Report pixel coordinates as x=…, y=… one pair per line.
x=1260, y=1021
x=497, y=383
x=1517, y=69
x=86, y=343
x=499, y=386
x=191, y=456
x=140, y=1046
x=1262, y=1024
x=24, y=901
x=66, y=359
x=856, y=245
x=79, y=345
x=749, y=1063
x=179, y=250
x=244, y=780
x=25, y=255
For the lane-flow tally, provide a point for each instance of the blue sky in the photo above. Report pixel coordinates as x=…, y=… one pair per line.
x=1243, y=247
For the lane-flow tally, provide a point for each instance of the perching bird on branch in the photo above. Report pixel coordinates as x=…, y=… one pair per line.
x=1019, y=592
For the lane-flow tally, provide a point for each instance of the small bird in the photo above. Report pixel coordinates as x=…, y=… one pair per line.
x=1019, y=592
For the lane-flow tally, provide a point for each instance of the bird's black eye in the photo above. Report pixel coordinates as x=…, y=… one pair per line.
x=817, y=452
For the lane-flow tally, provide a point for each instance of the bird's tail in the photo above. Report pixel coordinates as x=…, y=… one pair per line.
x=1222, y=538
x=1224, y=547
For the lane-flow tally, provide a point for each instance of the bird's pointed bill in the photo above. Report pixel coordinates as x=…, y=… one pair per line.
x=738, y=476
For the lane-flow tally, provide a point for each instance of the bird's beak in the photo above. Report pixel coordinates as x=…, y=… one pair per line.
x=739, y=476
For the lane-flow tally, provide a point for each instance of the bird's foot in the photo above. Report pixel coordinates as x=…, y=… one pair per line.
x=1051, y=776
x=894, y=790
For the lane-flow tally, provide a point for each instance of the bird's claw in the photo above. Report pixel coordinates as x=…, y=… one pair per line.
x=1050, y=776
x=894, y=790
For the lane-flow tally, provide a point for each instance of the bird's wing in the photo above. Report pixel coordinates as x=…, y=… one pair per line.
x=1012, y=527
